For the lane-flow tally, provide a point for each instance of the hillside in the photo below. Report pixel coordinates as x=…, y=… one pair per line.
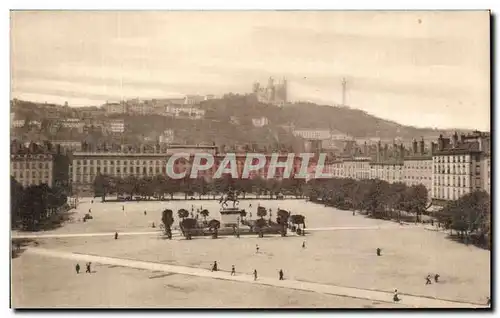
x=219, y=124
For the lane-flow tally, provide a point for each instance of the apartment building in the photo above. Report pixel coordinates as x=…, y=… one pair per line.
x=357, y=168
x=390, y=171
x=458, y=167
x=417, y=166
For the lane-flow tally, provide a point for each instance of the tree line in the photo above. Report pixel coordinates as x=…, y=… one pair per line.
x=377, y=198
x=469, y=216
x=34, y=207
x=161, y=186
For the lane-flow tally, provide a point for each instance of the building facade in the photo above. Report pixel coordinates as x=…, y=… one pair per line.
x=417, y=166
x=457, y=168
x=387, y=171
x=357, y=168
x=116, y=126
x=32, y=168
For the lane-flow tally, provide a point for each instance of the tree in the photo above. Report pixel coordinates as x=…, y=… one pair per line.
x=183, y=213
x=205, y=214
x=167, y=219
x=299, y=219
x=261, y=212
x=282, y=220
x=260, y=224
x=187, y=225
x=214, y=226
x=16, y=200
x=200, y=186
x=417, y=199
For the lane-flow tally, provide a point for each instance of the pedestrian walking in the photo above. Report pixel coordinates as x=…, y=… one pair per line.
x=379, y=251
x=428, y=280
x=123, y=208
x=304, y=244
x=281, y=274
x=250, y=205
x=254, y=274
x=256, y=248
x=214, y=266
x=436, y=278
x=233, y=271
x=90, y=210
x=91, y=201
x=153, y=226
x=77, y=268
x=353, y=212
x=116, y=235
x=88, y=267
x=145, y=213
x=396, y=296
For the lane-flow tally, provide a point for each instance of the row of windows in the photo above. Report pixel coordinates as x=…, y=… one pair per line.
x=450, y=159
x=119, y=170
x=27, y=165
x=34, y=174
x=118, y=162
x=418, y=177
x=449, y=194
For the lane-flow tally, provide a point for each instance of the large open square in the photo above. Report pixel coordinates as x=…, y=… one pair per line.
x=337, y=268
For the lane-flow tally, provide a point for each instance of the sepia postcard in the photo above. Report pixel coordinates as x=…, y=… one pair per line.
x=250, y=159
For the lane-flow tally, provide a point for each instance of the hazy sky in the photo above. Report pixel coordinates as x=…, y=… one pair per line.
x=418, y=68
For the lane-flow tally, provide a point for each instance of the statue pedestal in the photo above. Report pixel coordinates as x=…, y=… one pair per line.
x=230, y=216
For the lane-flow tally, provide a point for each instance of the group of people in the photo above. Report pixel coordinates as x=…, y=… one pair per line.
x=87, y=265
x=257, y=248
x=215, y=268
x=428, y=279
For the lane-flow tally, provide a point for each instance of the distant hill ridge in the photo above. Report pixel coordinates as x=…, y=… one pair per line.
x=217, y=126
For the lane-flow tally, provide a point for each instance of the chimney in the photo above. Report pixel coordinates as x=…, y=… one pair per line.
x=455, y=139
x=462, y=138
x=480, y=141
x=440, y=143
x=365, y=149
x=386, y=152
x=433, y=148
x=414, y=148
x=422, y=146
x=402, y=151
x=379, y=149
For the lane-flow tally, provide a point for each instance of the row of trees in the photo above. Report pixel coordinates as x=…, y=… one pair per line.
x=469, y=216
x=33, y=205
x=161, y=185
x=377, y=198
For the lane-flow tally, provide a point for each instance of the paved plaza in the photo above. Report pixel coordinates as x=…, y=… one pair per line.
x=338, y=267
